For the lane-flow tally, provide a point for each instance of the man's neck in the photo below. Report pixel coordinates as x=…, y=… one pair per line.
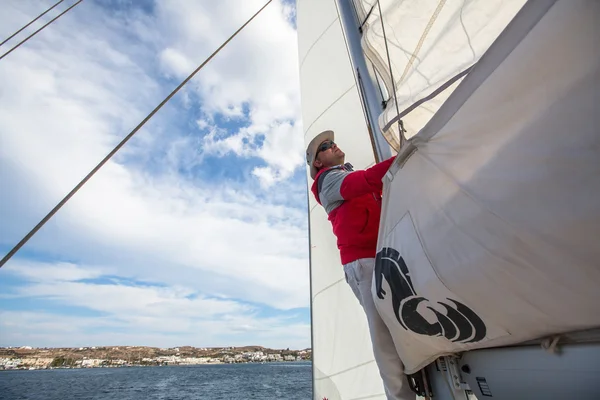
x=346, y=166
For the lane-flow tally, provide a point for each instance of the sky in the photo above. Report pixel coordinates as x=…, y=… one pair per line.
x=195, y=233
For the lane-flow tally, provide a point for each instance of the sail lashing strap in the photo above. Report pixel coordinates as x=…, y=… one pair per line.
x=36, y=228
x=551, y=344
x=383, y=100
x=38, y=31
x=425, y=99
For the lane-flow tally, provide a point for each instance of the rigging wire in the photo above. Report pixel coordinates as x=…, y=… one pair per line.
x=30, y=22
x=39, y=30
x=26, y=238
x=400, y=123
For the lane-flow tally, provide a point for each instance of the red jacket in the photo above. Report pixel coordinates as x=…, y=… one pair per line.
x=352, y=200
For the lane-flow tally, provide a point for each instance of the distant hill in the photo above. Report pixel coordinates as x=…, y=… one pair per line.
x=135, y=352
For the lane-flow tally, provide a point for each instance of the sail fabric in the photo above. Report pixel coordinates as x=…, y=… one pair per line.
x=429, y=42
x=490, y=223
x=343, y=362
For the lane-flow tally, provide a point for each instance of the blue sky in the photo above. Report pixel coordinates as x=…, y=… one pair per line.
x=196, y=233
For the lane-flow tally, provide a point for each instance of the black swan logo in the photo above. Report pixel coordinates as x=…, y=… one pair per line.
x=458, y=324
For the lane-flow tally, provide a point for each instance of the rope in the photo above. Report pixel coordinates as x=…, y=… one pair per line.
x=12, y=252
x=434, y=16
x=30, y=22
x=39, y=30
x=360, y=28
x=387, y=51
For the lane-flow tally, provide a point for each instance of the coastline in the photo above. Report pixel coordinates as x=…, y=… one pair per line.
x=27, y=358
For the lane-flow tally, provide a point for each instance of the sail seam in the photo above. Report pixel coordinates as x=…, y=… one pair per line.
x=315, y=42
x=328, y=287
x=328, y=107
x=346, y=370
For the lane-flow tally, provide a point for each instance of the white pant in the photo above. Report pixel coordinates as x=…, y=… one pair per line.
x=359, y=275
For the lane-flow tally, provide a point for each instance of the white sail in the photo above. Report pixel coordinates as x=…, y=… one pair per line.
x=491, y=213
x=343, y=363
x=428, y=42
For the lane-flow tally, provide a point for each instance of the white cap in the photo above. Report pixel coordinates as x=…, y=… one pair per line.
x=313, y=146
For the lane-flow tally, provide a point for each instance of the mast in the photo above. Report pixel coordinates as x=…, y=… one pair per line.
x=372, y=104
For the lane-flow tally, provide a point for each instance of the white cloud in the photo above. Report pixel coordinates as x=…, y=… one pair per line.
x=203, y=123
x=149, y=315
x=175, y=62
x=278, y=148
x=67, y=99
x=63, y=282
x=258, y=70
x=267, y=176
x=47, y=329
x=53, y=272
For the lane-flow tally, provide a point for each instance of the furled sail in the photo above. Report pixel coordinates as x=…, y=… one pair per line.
x=491, y=212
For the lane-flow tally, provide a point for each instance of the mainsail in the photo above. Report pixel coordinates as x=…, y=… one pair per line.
x=343, y=363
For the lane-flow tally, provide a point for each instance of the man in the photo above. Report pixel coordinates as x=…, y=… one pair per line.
x=352, y=200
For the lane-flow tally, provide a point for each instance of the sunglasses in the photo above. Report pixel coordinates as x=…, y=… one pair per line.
x=324, y=146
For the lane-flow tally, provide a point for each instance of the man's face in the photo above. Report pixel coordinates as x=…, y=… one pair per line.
x=329, y=155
